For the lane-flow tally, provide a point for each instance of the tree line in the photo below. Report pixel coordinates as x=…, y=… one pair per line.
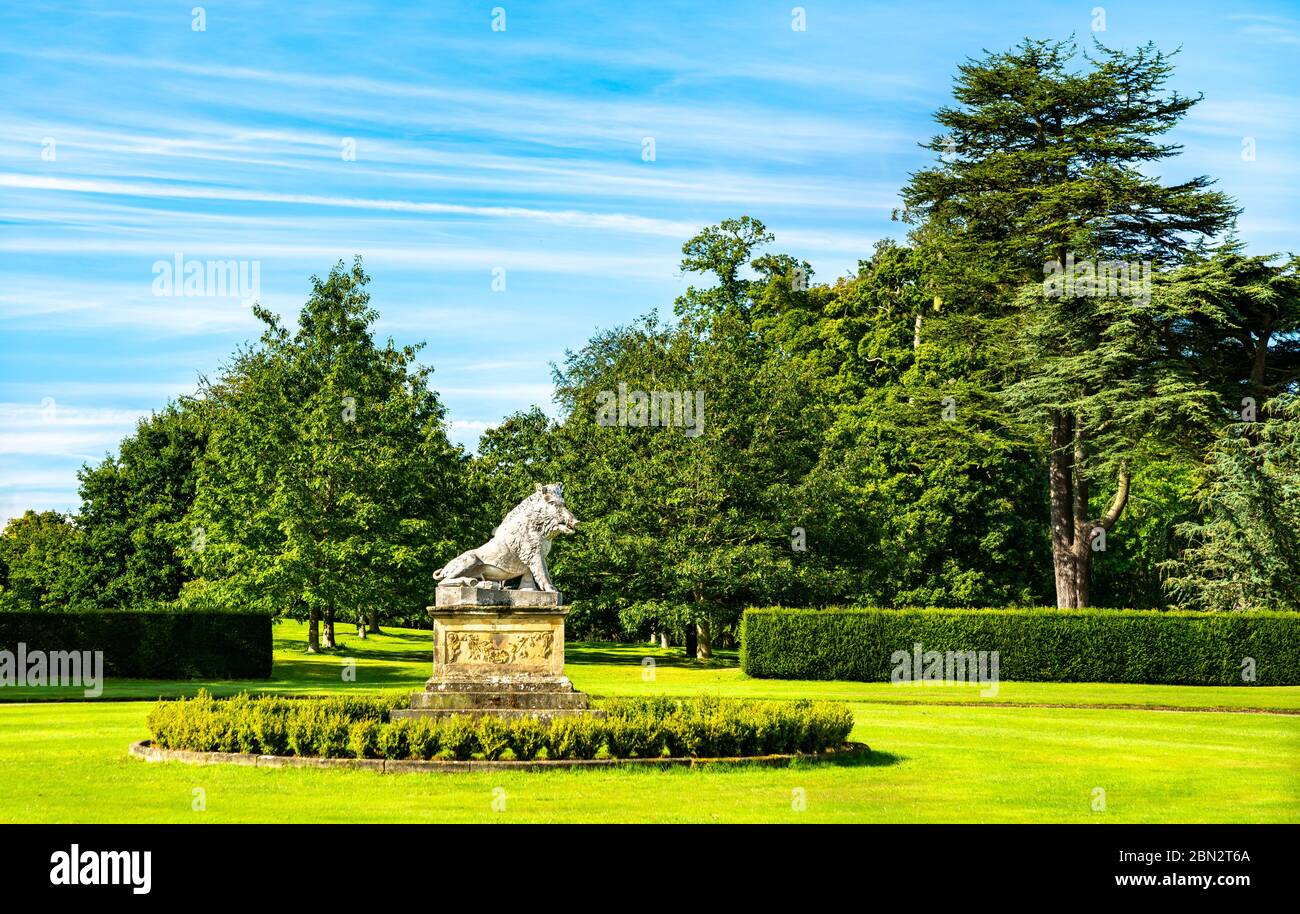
x=1068, y=383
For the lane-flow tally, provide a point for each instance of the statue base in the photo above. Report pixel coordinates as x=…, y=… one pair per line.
x=498, y=652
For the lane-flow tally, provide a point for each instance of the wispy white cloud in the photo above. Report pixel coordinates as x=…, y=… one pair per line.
x=1268, y=29
x=51, y=304
x=99, y=389
x=539, y=117
x=602, y=221
x=75, y=444
x=451, y=258
x=62, y=440
x=1243, y=117
x=51, y=413
x=199, y=142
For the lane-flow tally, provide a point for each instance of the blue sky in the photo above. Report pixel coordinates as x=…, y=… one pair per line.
x=127, y=137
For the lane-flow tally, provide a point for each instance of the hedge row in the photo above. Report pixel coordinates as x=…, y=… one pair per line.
x=360, y=727
x=151, y=645
x=1033, y=645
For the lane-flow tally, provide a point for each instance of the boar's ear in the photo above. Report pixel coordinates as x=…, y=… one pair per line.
x=558, y=489
x=537, y=490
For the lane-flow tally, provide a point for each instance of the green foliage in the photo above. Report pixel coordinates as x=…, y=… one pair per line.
x=719, y=727
x=270, y=728
x=328, y=486
x=1129, y=571
x=723, y=250
x=395, y=740
x=424, y=737
x=133, y=505
x=271, y=725
x=824, y=413
x=573, y=738
x=1243, y=322
x=36, y=553
x=459, y=736
x=359, y=727
x=493, y=737
x=1033, y=645
x=640, y=736
x=363, y=739
x=1116, y=365
x=924, y=491
x=1241, y=551
x=314, y=730
x=153, y=644
x=513, y=457
x=527, y=737
x=708, y=506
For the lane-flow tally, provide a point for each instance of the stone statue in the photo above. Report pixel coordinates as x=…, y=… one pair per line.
x=500, y=651
x=518, y=547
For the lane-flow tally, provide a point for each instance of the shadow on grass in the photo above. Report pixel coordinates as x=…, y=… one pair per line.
x=386, y=648
x=387, y=645
x=313, y=672
x=872, y=759
x=867, y=760
x=354, y=651
x=595, y=652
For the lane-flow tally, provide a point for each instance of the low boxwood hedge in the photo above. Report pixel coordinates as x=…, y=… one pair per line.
x=360, y=727
x=1033, y=645
x=152, y=645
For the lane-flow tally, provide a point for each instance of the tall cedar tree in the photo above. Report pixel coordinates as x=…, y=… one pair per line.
x=1044, y=160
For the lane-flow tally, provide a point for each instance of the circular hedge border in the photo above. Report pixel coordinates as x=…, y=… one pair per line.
x=146, y=750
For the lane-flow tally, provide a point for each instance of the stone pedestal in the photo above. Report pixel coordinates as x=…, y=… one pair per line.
x=497, y=652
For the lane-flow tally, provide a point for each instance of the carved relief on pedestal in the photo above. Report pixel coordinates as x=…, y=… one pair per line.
x=504, y=648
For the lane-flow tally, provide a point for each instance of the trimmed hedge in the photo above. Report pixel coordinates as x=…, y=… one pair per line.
x=360, y=727
x=1033, y=645
x=152, y=645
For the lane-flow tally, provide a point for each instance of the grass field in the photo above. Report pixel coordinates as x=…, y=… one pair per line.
x=940, y=754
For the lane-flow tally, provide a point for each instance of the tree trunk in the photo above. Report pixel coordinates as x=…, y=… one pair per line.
x=704, y=638
x=374, y=622
x=313, y=631
x=361, y=627
x=1260, y=361
x=327, y=630
x=663, y=639
x=1060, y=481
x=1072, y=531
x=691, y=643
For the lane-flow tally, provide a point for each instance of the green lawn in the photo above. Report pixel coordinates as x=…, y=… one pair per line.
x=934, y=761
